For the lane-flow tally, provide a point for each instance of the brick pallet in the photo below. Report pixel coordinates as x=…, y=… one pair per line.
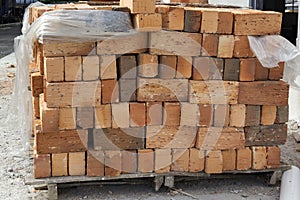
x=182, y=94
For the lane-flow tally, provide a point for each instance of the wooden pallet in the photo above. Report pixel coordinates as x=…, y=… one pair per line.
x=168, y=179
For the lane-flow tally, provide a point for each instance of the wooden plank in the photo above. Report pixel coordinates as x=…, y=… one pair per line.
x=264, y=93
x=192, y=19
x=59, y=164
x=146, y=160
x=244, y=159
x=163, y=160
x=147, y=22
x=42, y=165
x=214, y=162
x=180, y=160
x=139, y=6
x=197, y=159
x=229, y=160
x=95, y=163
x=172, y=17
x=76, y=165
x=259, y=158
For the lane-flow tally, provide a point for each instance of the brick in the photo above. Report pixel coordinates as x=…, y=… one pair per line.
x=120, y=115
x=256, y=23
x=58, y=48
x=221, y=115
x=49, y=117
x=220, y=138
x=146, y=160
x=103, y=116
x=171, y=116
x=276, y=73
x=137, y=114
x=229, y=160
x=90, y=68
x=170, y=136
x=127, y=67
x=252, y=115
x=65, y=7
x=163, y=160
x=154, y=113
x=76, y=94
x=225, y=46
x=213, y=162
x=77, y=164
x=244, y=159
x=247, y=69
x=36, y=106
x=282, y=114
x=110, y=91
x=103, y=7
x=206, y=114
x=210, y=44
x=273, y=157
x=264, y=93
x=268, y=115
x=83, y=7
x=201, y=67
x=112, y=163
x=216, y=21
x=147, y=65
x=184, y=67
x=54, y=69
x=232, y=70
x=139, y=6
x=242, y=47
x=162, y=90
x=55, y=142
x=40, y=59
x=67, y=118
x=192, y=20
x=147, y=22
x=180, y=160
x=261, y=73
x=116, y=138
x=85, y=117
x=127, y=88
x=73, y=68
x=59, y=164
x=108, y=67
x=189, y=115
x=36, y=84
x=167, y=67
x=238, y=115
x=123, y=44
x=129, y=161
x=42, y=165
x=266, y=135
x=95, y=163
x=196, y=161
x=175, y=43
x=172, y=17
x=225, y=92
x=259, y=158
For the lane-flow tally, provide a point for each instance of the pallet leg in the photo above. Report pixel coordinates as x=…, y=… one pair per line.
x=158, y=181
x=275, y=177
x=169, y=181
x=52, y=192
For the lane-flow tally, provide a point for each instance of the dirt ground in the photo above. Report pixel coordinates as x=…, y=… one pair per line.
x=16, y=163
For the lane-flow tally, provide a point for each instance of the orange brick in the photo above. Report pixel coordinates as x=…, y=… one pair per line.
x=154, y=113
x=108, y=67
x=171, y=114
x=147, y=22
x=273, y=157
x=210, y=44
x=120, y=115
x=196, y=161
x=95, y=166
x=147, y=65
x=103, y=116
x=77, y=164
x=184, y=67
x=229, y=160
x=276, y=73
x=49, y=117
x=189, y=115
x=167, y=67
x=238, y=115
x=60, y=164
x=67, y=118
x=129, y=161
x=145, y=160
x=244, y=159
x=110, y=91
x=172, y=17
x=268, y=115
x=259, y=157
x=180, y=160
x=247, y=69
x=163, y=160
x=139, y=6
x=36, y=84
x=54, y=69
x=113, y=163
x=90, y=68
x=42, y=165
x=213, y=162
x=36, y=106
x=206, y=115
x=73, y=68
x=242, y=47
x=261, y=73
x=216, y=21
x=225, y=47
x=137, y=114
x=221, y=115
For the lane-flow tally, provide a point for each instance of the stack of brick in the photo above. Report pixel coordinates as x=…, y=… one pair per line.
x=184, y=94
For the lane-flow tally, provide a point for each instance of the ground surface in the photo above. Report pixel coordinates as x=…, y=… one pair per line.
x=16, y=163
